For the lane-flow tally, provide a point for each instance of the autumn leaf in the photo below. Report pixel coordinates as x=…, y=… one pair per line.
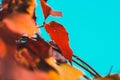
x=38, y=47
x=109, y=77
x=18, y=72
x=21, y=23
x=24, y=6
x=2, y=48
x=8, y=36
x=5, y=10
x=60, y=36
x=21, y=6
x=47, y=10
x=64, y=68
x=55, y=13
x=70, y=70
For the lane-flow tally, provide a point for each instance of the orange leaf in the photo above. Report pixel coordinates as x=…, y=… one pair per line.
x=60, y=36
x=2, y=48
x=21, y=23
x=7, y=35
x=47, y=10
x=70, y=70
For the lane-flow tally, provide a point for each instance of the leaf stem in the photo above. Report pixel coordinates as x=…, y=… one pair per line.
x=97, y=74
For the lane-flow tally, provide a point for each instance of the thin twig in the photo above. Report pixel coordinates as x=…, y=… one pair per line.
x=98, y=75
x=110, y=70
x=41, y=26
x=85, y=68
x=86, y=77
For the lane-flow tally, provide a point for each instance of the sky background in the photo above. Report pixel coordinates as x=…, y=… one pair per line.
x=94, y=30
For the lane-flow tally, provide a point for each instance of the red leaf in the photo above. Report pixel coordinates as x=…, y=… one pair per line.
x=60, y=36
x=47, y=10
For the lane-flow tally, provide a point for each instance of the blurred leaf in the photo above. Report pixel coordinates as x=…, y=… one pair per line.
x=38, y=47
x=6, y=9
x=21, y=23
x=110, y=77
x=60, y=36
x=23, y=57
x=55, y=13
x=26, y=6
x=54, y=76
x=2, y=48
x=70, y=73
x=8, y=36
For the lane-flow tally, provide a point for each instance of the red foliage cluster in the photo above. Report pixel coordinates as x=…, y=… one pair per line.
x=57, y=31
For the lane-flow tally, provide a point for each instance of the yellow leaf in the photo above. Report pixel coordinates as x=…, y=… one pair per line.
x=54, y=76
x=70, y=73
x=64, y=71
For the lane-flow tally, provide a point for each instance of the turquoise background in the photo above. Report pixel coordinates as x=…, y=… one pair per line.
x=94, y=30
